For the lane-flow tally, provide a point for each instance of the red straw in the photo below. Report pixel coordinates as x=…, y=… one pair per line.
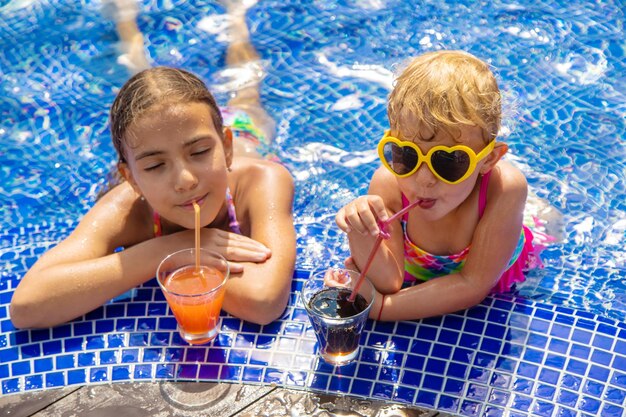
x=383, y=234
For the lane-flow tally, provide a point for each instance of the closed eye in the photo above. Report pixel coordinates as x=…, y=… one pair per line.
x=200, y=152
x=153, y=167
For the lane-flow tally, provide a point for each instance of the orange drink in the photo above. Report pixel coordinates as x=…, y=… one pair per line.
x=194, y=293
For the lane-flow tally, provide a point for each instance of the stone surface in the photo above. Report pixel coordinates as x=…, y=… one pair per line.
x=191, y=399
x=291, y=403
x=28, y=404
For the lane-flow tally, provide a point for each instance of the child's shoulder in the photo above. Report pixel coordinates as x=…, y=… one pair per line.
x=507, y=188
x=507, y=178
x=122, y=217
x=121, y=196
x=253, y=179
x=385, y=185
x=259, y=170
x=121, y=212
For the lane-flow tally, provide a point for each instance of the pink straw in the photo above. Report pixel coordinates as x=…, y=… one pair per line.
x=383, y=234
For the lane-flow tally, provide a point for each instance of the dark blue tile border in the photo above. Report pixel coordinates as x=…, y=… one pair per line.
x=507, y=356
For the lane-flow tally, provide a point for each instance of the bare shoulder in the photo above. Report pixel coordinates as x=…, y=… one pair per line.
x=509, y=177
x=261, y=189
x=119, y=218
x=263, y=192
x=112, y=222
x=252, y=173
x=507, y=185
x=384, y=184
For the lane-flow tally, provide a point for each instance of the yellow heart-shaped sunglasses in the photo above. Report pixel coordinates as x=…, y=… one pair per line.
x=451, y=164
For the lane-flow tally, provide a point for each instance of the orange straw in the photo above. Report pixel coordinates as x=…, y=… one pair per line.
x=196, y=209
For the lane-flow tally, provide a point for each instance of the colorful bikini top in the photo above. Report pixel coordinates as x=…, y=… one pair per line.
x=232, y=216
x=422, y=265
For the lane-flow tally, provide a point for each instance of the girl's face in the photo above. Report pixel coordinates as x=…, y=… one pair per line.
x=437, y=197
x=175, y=156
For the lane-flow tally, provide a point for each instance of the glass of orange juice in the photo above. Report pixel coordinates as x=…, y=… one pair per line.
x=194, y=291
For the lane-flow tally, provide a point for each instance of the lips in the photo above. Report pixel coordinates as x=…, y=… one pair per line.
x=189, y=203
x=426, y=203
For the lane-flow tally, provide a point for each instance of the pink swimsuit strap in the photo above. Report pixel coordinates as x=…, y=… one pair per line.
x=482, y=195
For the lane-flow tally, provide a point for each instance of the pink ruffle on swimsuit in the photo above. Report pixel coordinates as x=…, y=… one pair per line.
x=420, y=265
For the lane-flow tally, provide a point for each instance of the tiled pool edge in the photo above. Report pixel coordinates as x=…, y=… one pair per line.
x=507, y=356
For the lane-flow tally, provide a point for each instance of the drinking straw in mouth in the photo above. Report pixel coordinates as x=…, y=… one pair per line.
x=383, y=234
x=196, y=209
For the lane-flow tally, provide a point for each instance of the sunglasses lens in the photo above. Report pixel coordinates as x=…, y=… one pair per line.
x=400, y=159
x=450, y=165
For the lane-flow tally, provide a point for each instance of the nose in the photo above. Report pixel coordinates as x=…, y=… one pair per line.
x=424, y=176
x=185, y=179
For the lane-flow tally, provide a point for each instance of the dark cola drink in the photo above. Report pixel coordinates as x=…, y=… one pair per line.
x=338, y=323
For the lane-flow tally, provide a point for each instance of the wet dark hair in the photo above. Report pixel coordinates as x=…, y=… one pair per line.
x=152, y=88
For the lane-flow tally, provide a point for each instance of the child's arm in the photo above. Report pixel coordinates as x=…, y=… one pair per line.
x=492, y=246
x=82, y=273
x=359, y=220
x=265, y=195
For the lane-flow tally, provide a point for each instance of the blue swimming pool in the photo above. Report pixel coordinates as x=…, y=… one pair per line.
x=561, y=65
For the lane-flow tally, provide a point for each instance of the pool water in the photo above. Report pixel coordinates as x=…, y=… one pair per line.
x=329, y=68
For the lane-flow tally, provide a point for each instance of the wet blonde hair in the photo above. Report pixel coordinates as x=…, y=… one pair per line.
x=445, y=89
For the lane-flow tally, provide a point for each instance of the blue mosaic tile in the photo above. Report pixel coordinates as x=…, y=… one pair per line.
x=426, y=399
x=20, y=368
x=65, y=362
x=99, y=374
x=609, y=410
x=152, y=355
x=62, y=331
x=106, y=357
x=9, y=355
x=73, y=344
x=448, y=403
x=361, y=387
x=10, y=386
x=143, y=372
x=6, y=326
x=165, y=371
x=125, y=325
x=404, y=395
x=43, y=365
x=130, y=356
x=104, y=326
x=599, y=373
x=76, y=376
x=86, y=359
x=54, y=379
x=33, y=382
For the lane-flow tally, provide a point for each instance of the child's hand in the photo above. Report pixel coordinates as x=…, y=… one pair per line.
x=362, y=215
x=234, y=247
x=336, y=278
x=350, y=265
